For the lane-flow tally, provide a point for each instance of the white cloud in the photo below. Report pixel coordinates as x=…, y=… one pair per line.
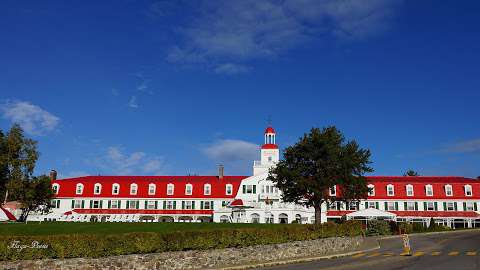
x=33, y=119
x=469, y=146
x=132, y=103
x=231, y=69
x=233, y=32
x=231, y=151
x=115, y=162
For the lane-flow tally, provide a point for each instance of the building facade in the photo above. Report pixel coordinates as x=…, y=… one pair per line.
x=451, y=201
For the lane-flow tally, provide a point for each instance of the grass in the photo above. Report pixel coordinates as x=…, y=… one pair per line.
x=55, y=228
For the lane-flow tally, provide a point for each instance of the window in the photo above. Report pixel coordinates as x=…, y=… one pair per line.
x=115, y=204
x=78, y=204
x=79, y=189
x=249, y=189
x=55, y=188
x=115, y=189
x=207, y=205
x=468, y=190
x=450, y=206
x=448, y=190
x=371, y=190
x=352, y=206
x=97, y=189
x=228, y=189
x=151, y=205
x=333, y=206
x=390, y=190
x=95, y=204
x=132, y=204
x=430, y=206
x=207, y=189
x=468, y=206
x=133, y=189
x=409, y=189
x=55, y=203
x=188, y=189
x=391, y=206
x=332, y=191
x=255, y=218
x=410, y=206
x=151, y=189
x=169, y=205
x=188, y=205
x=170, y=189
x=429, y=190
x=371, y=205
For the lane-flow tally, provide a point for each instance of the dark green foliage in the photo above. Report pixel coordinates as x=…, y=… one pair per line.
x=405, y=227
x=378, y=227
x=101, y=245
x=317, y=162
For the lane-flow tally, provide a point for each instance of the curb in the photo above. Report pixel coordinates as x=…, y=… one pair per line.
x=299, y=260
x=429, y=233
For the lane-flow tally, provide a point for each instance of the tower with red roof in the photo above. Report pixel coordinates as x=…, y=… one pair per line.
x=269, y=153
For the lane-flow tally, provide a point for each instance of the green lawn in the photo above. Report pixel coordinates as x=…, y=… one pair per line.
x=50, y=228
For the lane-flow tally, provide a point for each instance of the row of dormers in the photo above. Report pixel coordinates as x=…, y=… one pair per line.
x=409, y=190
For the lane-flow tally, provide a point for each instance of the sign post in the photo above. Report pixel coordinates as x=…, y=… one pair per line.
x=406, y=246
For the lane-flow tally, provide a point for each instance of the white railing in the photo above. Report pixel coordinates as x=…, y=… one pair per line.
x=257, y=163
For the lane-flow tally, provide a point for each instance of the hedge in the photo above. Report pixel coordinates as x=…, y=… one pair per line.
x=94, y=245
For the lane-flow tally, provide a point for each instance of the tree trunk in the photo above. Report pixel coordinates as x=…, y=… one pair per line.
x=24, y=215
x=318, y=213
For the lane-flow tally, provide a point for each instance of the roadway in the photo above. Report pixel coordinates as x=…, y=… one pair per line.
x=447, y=251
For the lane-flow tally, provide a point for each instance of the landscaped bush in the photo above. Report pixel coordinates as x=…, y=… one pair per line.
x=378, y=227
x=405, y=227
x=96, y=245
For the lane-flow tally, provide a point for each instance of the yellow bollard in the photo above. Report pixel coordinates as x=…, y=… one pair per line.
x=406, y=246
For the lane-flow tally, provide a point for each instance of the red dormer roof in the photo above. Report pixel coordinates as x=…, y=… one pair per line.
x=269, y=146
x=269, y=130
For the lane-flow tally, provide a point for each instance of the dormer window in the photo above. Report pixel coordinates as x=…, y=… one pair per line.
x=97, y=188
x=429, y=190
x=390, y=190
x=170, y=189
x=228, y=189
x=371, y=190
x=188, y=189
x=409, y=190
x=79, y=189
x=332, y=191
x=207, y=189
x=133, y=189
x=468, y=190
x=151, y=189
x=448, y=190
x=115, y=189
x=55, y=188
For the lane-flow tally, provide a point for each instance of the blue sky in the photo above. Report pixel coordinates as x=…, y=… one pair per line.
x=177, y=87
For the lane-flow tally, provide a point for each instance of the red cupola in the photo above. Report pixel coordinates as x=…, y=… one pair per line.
x=270, y=139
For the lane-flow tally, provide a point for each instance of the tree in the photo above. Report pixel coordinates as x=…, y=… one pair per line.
x=318, y=161
x=36, y=197
x=411, y=173
x=17, y=161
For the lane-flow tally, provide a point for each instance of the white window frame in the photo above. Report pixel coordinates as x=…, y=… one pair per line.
x=409, y=190
x=448, y=190
x=450, y=206
x=371, y=205
x=228, y=189
x=391, y=206
x=208, y=205
x=99, y=186
x=114, y=204
x=98, y=204
x=170, y=189
x=116, y=187
x=352, y=206
x=79, y=189
x=207, y=189
x=427, y=189
x=428, y=206
x=55, y=188
x=152, y=188
x=188, y=205
x=169, y=205
x=469, y=206
x=188, y=189
x=410, y=206
x=151, y=205
x=133, y=189
x=332, y=191
x=371, y=191
x=77, y=204
x=392, y=190
x=468, y=190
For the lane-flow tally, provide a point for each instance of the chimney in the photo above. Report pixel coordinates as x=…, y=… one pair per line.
x=53, y=175
x=220, y=172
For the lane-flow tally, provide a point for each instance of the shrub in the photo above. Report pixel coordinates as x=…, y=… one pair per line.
x=378, y=227
x=405, y=228
x=98, y=245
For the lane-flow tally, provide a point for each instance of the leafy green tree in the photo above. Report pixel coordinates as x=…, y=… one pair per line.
x=17, y=161
x=36, y=197
x=411, y=173
x=317, y=162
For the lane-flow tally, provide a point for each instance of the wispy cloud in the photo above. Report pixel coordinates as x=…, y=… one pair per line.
x=132, y=103
x=115, y=92
x=469, y=146
x=116, y=162
x=33, y=119
x=231, y=69
x=231, y=151
x=228, y=33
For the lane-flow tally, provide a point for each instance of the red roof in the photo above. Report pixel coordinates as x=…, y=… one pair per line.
x=269, y=146
x=237, y=202
x=427, y=214
x=218, y=186
x=269, y=130
x=9, y=215
x=143, y=211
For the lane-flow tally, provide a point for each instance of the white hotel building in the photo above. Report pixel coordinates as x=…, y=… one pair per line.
x=453, y=201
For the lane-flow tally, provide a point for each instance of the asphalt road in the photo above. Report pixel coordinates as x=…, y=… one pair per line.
x=448, y=251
